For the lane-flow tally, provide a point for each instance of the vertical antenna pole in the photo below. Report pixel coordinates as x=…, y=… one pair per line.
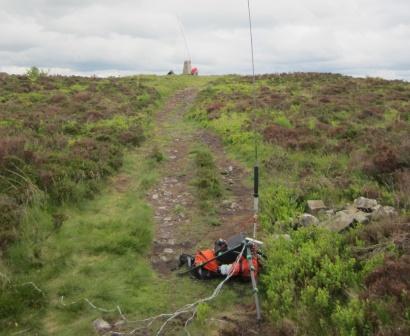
x=250, y=253
x=256, y=166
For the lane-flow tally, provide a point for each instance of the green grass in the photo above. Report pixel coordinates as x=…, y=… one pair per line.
x=320, y=136
x=207, y=183
x=98, y=249
x=83, y=235
x=107, y=239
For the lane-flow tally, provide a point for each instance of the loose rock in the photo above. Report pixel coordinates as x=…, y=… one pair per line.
x=315, y=205
x=364, y=203
x=362, y=217
x=101, y=326
x=341, y=221
x=382, y=212
x=307, y=220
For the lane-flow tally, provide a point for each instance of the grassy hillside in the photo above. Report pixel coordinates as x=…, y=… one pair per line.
x=78, y=157
x=335, y=138
x=66, y=234
x=60, y=136
x=324, y=136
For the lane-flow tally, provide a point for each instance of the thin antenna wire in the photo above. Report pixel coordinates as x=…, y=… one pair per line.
x=256, y=167
x=181, y=27
x=253, y=77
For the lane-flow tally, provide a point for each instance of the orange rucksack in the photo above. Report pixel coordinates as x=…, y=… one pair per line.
x=241, y=268
x=205, y=255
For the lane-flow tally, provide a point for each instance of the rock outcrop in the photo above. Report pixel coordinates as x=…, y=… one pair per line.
x=362, y=211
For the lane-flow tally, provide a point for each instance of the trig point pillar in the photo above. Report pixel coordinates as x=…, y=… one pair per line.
x=187, y=68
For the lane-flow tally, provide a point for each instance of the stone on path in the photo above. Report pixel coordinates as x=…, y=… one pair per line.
x=168, y=251
x=234, y=205
x=101, y=326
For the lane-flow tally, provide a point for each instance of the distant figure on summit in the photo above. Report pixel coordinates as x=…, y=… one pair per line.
x=194, y=71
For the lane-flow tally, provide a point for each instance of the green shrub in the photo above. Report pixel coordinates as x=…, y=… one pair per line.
x=278, y=205
x=349, y=319
x=33, y=73
x=282, y=121
x=309, y=275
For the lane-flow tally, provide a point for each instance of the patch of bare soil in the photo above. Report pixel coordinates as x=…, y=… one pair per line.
x=121, y=182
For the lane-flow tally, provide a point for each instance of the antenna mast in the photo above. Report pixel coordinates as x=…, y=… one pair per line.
x=255, y=173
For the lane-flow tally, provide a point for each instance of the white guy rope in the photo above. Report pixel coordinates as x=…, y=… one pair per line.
x=193, y=306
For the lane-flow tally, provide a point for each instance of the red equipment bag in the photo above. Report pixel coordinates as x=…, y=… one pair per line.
x=242, y=268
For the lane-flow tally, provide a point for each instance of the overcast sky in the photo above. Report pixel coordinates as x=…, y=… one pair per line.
x=106, y=37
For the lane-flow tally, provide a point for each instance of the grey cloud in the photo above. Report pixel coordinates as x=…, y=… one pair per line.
x=358, y=37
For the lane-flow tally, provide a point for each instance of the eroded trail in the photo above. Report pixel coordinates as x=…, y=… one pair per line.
x=173, y=198
x=178, y=227
x=235, y=211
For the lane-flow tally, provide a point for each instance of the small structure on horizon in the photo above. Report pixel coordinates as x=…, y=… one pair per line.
x=187, y=67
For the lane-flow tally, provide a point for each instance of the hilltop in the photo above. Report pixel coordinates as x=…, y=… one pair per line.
x=104, y=181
